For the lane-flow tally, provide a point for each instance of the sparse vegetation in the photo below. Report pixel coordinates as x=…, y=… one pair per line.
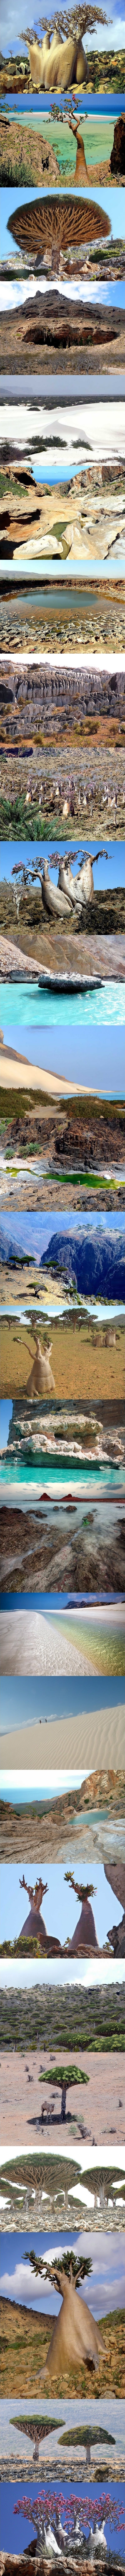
x=77, y=2020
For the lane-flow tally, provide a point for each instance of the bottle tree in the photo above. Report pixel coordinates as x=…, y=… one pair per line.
x=85, y=1937
x=75, y=2335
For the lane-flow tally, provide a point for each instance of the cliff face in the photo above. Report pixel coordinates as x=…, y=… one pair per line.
x=117, y=157
x=93, y=1261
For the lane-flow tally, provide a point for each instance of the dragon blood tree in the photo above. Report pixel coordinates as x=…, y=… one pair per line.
x=84, y=1938
x=58, y=2521
x=64, y=2076
x=75, y=2335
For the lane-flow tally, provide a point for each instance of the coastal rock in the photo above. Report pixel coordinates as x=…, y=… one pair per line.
x=117, y=156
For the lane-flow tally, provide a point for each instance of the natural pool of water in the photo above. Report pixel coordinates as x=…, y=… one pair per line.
x=29, y=1005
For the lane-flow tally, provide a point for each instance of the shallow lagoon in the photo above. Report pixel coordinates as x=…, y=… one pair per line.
x=31, y=1005
x=97, y=131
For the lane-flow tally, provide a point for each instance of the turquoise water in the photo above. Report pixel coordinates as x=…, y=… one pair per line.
x=28, y=1005
x=15, y=1469
x=97, y=136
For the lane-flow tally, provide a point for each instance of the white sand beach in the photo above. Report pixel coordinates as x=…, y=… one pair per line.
x=32, y=1643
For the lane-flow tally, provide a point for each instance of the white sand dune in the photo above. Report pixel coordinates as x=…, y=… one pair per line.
x=24, y=1076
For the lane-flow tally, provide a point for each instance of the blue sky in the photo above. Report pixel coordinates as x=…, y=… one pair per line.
x=96, y=1062
x=60, y=1909
x=113, y=203
x=101, y=107
x=14, y=2534
x=111, y=874
x=108, y=36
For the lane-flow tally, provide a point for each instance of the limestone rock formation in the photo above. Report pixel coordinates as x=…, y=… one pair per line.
x=115, y=1872
x=117, y=156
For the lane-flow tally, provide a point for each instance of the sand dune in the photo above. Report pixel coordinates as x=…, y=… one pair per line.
x=24, y=1076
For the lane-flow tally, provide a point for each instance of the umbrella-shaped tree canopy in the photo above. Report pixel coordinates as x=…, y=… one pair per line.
x=52, y=225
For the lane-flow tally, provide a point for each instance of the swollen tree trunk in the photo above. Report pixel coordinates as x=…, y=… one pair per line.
x=84, y=1937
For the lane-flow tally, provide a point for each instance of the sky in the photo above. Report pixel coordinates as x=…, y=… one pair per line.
x=104, y=2289
x=116, y=853
x=13, y=2534
x=101, y=108
x=14, y=291
x=49, y=1699
x=56, y=1972
x=60, y=1909
x=55, y=1048
x=108, y=37
x=57, y=1603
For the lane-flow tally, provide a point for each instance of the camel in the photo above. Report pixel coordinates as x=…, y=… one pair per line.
x=75, y=2336
x=41, y=1381
x=54, y=65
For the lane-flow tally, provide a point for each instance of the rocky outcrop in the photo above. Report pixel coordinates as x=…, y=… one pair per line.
x=115, y=1872
x=32, y=696
x=117, y=156
x=37, y=163
x=93, y=1261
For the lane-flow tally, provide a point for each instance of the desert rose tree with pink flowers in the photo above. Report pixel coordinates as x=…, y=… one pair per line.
x=45, y=2510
